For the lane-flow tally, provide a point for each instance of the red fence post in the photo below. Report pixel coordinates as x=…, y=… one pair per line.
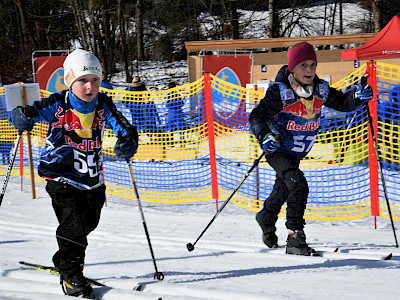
x=372, y=159
x=21, y=161
x=210, y=134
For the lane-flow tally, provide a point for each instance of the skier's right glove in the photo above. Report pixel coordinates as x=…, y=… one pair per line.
x=22, y=117
x=125, y=147
x=270, y=143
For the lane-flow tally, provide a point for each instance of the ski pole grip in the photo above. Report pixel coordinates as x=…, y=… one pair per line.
x=364, y=80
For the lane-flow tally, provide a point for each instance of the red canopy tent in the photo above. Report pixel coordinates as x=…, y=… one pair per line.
x=384, y=44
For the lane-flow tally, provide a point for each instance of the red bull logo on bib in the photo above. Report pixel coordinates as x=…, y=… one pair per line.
x=306, y=109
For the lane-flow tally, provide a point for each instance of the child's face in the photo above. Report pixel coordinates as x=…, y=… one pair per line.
x=304, y=73
x=86, y=87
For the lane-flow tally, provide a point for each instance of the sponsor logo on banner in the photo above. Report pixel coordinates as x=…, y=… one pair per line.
x=56, y=83
x=226, y=100
x=50, y=73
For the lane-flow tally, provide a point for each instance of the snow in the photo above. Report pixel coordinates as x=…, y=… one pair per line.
x=155, y=74
x=228, y=262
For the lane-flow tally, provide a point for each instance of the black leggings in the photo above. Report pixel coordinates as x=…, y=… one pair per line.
x=78, y=214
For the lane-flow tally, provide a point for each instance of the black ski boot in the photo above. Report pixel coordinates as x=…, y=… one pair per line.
x=269, y=237
x=296, y=244
x=76, y=286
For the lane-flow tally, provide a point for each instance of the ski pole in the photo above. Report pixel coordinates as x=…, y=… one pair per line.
x=364, y=83
x=345, y=144
x=10, y=165
x=190, y=246
x=158, y=275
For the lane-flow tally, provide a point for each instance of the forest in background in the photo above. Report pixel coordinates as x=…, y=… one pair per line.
x=123, y=32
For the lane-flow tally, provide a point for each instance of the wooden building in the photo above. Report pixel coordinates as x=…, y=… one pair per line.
x=265, y=64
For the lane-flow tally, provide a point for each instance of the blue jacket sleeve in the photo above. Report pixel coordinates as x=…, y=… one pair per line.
x=119, y=124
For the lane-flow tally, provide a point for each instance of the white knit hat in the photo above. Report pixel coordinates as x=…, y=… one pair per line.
x=78, y=63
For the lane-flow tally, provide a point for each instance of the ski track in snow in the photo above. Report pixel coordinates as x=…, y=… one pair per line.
x=228, y=262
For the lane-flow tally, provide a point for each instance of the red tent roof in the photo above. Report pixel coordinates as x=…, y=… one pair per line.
x=386, y=43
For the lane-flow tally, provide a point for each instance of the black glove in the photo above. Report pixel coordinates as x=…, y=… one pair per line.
x=125, y=147
x=21, y=118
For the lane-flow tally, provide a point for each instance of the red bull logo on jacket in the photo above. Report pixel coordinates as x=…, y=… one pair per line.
x=306, y=109
x=308, y=126
x=86, y=145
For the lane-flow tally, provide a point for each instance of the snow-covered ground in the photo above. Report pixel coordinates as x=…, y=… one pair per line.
x=155, y=74
x=228, y=262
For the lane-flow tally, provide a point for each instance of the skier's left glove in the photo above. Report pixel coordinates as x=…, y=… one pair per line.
x=22, y=117
x=125, y=147
x=364, y=93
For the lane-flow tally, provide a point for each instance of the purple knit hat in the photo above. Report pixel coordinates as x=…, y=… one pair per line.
x=300, y=53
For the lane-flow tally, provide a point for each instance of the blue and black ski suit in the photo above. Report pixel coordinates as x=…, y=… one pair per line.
x=296, y=120
x=72, y=163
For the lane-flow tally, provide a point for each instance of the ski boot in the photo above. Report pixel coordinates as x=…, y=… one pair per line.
x=76, y=286
x=269, y=237
x=296, y=244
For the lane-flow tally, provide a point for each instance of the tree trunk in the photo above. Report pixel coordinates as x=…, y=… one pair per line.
x=139, y=30
x=271, y=10
x=123, y=38
x=341, y=20
x=93, y=32
x=27, y=40
x=377, y=15
x=333, y=17
x=79, y=21
x=107, y=36
x=340, y=16
x=273, y=24
x=234, y=19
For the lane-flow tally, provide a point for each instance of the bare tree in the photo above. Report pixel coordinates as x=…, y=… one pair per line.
x=27, y=41
x=123, y=25
x=340, y=16
x=80, y=22
x=377, y=14
x=273, y=24
x=234, y=18
x=139, y=30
